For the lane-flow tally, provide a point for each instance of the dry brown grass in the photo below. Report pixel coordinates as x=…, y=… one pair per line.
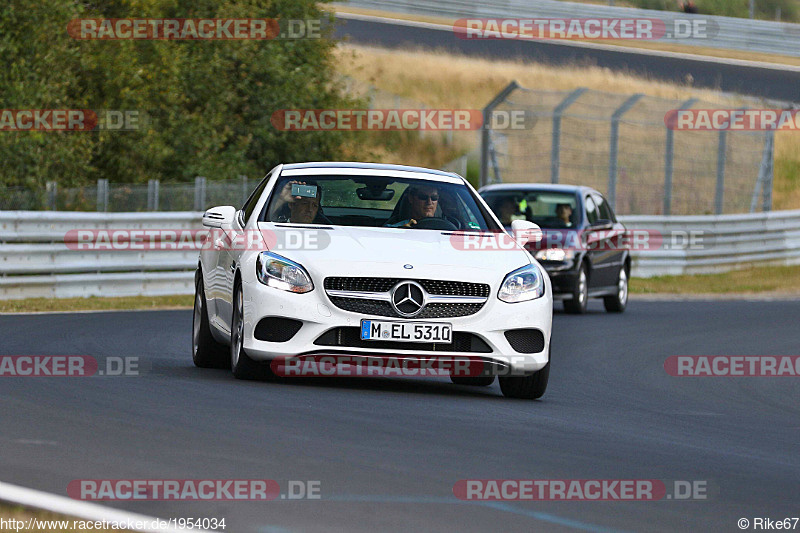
x=14, y=512
x=439, y=79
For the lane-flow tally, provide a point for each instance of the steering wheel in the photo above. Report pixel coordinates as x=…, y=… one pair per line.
x=454, y=220
x=435, y=223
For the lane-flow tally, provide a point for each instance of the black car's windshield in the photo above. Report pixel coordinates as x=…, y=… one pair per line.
x=376, y=201
x=554, y=210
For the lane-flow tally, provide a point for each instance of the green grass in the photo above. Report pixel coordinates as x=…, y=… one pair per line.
x=767, y=279
x=94, y=303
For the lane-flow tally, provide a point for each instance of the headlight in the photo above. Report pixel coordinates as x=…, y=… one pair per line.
x=277, y=271
x=526, y=283
x=554, y=254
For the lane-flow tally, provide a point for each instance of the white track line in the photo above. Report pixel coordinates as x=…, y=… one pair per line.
x=85, y=510
x=595, y=46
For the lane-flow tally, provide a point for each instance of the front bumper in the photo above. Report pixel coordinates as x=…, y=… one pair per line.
x=318, y=316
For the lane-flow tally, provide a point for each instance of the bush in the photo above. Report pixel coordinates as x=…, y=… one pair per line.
x=208, y=103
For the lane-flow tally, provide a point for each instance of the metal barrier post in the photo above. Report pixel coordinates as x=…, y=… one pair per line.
x=52, y=191
x=768, y=167
x=102, y=195
x=152, y=195
x=668, y=159
x=245, y=192
x=614, y=148
x=719, y=196
x=555, y=152
x=199, y=193
x=487, y=117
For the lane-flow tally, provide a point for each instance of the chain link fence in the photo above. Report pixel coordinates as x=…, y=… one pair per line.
x=121, y=197
x=620, y=145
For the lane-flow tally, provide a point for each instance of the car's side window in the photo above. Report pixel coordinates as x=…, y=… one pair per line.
x=591, y=210
x=604, y=209
x=251, y=202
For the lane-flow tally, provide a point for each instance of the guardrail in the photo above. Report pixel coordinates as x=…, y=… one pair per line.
x=723, y=32
x=36, y=260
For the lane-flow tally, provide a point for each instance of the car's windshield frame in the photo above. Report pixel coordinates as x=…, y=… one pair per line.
x=463, y=200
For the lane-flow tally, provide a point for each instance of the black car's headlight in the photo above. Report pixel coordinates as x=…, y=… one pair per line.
x=555, y=254
x=277, y=271
x=526, y=283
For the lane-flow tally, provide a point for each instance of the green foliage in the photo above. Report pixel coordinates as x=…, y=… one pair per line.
x=208, y=103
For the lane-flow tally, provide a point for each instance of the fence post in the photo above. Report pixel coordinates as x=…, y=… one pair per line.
x=102, y=195
x=199, y=193
x=244, y=188
x=614, y=148
x=52, y=191
x=152, y=195
x=485, y=130
x=719, y=195
x=768, y=168
x=668, y=160
x=555, y=152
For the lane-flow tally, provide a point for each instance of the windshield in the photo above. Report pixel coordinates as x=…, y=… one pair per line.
x=556, y=210
x=376, y=201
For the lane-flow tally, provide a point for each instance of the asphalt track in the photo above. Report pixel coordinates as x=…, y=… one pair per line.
x=387, y=452
x=782, y=83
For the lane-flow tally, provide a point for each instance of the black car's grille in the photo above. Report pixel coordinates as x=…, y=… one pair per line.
x=431, y=286
x=350, y=337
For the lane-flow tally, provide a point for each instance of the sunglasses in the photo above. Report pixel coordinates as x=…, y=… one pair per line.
x=426, y=197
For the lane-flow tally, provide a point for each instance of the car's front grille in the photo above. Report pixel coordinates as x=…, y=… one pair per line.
x=350, y=337
x=477, y=292
x=432, y=286
x=377, y=308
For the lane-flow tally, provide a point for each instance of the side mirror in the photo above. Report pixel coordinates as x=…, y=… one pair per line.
x=219, y=217
x=603, y=223
x=525, y=231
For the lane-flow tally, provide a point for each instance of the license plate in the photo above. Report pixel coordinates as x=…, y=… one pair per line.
x=380, y=330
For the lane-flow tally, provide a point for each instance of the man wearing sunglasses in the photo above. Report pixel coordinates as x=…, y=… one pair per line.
x=422, y=201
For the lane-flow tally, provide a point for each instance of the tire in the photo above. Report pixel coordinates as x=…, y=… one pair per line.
x=206, y=351
x=241, y=365
x=618, y=302
x=477, y=381
x=580, y=294
x=528, y=387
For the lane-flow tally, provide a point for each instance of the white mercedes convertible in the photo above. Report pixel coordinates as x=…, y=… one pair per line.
x=371, y=261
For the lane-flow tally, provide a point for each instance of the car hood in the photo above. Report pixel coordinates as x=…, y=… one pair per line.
x=387, y=252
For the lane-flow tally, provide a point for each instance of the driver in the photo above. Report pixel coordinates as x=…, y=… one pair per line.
x=422, y=203
x=564, y=212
